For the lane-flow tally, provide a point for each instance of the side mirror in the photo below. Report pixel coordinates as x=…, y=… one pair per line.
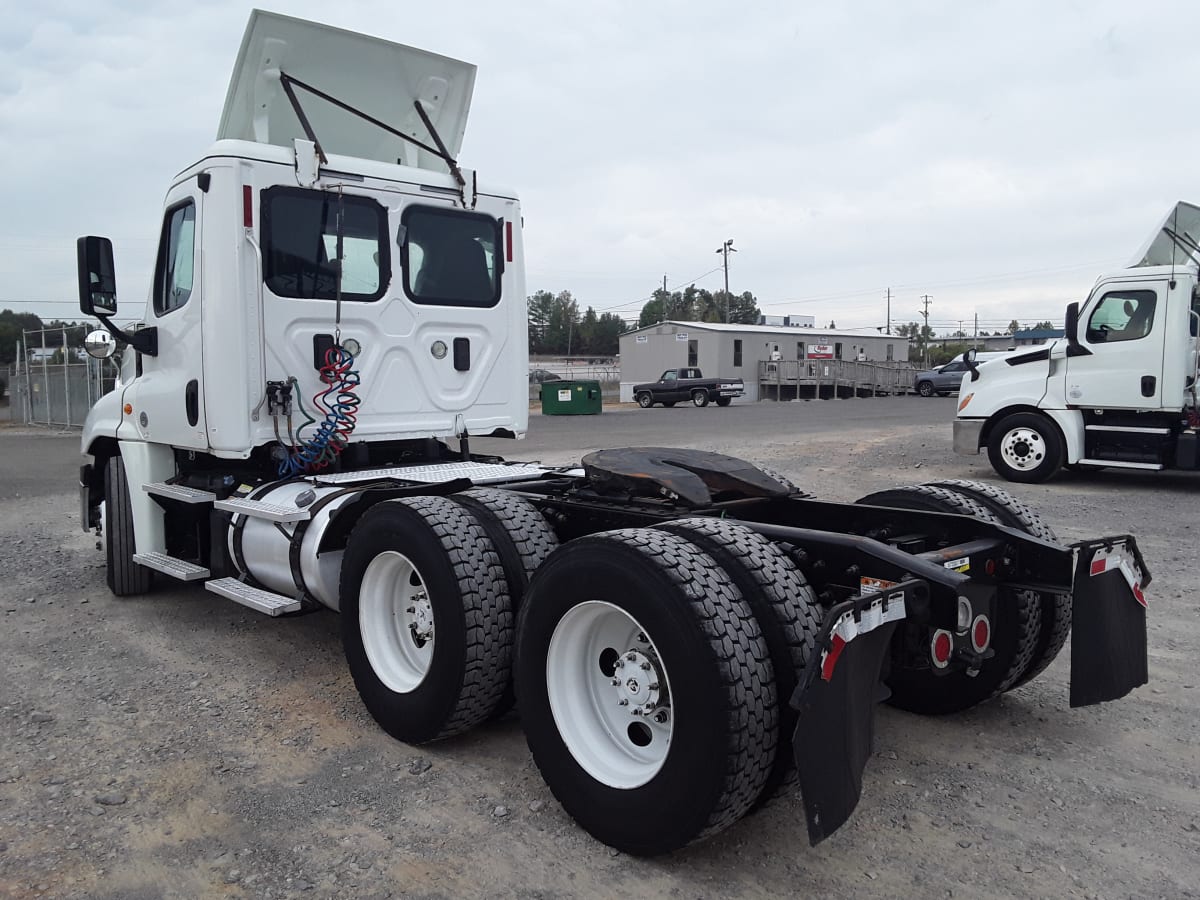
x=97, y=279
x=100, y=345
x=968, y=359
x=1071, y=330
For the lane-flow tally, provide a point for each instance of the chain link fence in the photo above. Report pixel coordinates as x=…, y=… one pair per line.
x=53, y=383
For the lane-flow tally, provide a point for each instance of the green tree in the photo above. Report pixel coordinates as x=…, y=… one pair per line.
x=12, y=326
x=1044, y=325
x=563, y=324
x=1013, y=327
x=539, y=305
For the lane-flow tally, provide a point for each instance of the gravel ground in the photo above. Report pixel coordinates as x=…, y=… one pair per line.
x=177, y=745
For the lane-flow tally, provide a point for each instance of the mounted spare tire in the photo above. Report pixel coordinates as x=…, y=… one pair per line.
x=1015, y=629
x=647, y=691
x=427, y=622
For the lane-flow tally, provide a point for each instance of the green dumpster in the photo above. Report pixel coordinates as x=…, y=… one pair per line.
x=571, y=398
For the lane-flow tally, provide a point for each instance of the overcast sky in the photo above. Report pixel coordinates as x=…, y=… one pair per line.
x=997, y=156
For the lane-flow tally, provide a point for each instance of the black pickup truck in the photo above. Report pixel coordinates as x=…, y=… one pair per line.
x=687, y=384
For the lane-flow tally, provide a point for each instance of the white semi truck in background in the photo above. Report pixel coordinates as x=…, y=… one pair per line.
x=338, y=307
x=1118, y=390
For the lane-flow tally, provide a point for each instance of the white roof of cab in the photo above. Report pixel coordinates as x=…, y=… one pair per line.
x=377, y=77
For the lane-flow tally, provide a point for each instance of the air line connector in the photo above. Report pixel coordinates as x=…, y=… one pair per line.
x=279, y=398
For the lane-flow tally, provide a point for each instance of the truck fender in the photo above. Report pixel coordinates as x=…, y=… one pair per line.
x=146, y=463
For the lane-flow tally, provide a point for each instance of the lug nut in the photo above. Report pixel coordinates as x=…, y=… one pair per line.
x=653, y=686
x=646, y=666
x=411, y=610
x=637, y=711
x=616, y=682
x=660, y=717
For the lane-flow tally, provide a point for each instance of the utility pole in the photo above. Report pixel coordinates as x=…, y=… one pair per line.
x=666, y=299
x=725, y=249
x=975, y=334
x=925, y=331
x=889, y=310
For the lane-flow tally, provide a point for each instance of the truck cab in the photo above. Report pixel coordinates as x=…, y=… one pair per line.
x=1119, y=390
x=329, y=212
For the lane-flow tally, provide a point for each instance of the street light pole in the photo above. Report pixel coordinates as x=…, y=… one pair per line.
x=725, y=249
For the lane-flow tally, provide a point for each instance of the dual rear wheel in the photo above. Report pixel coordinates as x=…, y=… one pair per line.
x=654, y=667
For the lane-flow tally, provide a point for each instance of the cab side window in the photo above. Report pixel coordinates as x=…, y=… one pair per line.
x=176, y=256
x=1121, y=316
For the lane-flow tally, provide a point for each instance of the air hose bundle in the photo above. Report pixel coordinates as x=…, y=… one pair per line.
x=339, y=402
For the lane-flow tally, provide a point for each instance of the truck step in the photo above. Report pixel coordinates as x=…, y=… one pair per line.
x=258, y=510
x=1122, y=464
x=179, y=492
x=169, y=565
x=255, y=598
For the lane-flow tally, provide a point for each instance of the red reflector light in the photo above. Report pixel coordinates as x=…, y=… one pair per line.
x=990, y=568
x=981, y=634
x=940, y=648
x=508, y=241
x=247, y=206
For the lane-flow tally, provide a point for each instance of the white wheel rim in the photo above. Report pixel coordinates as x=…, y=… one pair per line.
x=1023, y=448
x=395, y=620
x=620, y=745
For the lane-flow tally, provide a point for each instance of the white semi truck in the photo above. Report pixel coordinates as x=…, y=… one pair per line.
x=1118, y=390
x=338, y=307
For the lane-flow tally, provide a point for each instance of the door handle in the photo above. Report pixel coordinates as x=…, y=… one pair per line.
x=1148, y=384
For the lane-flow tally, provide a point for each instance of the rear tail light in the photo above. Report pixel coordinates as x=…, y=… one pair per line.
x=981, y=633
x=941, y=647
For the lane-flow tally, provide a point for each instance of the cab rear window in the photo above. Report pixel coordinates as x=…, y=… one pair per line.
x=450, y=258
x=300, y=236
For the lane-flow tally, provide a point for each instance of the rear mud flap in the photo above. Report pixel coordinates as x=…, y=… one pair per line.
x=1108, y=621
x=836, y=702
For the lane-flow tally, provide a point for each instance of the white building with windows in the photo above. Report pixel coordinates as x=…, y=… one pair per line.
x=721, y=350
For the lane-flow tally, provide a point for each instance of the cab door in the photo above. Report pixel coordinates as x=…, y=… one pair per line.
x=1122, y=329
x=167, y=394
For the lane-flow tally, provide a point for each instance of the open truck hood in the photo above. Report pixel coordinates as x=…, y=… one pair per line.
x=378, y=77
x=1176, y=241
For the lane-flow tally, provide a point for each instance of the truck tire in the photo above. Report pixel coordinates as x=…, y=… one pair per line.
x=427, y=622
x=787, y=612
x=700, y=398
x=1015, y=630
x=125, y=577
x=1025, y=447
x=724, y=401
x=925, y=388
x=1056, y=609
x=644, y=399
x=651, y=603
x=523, y=539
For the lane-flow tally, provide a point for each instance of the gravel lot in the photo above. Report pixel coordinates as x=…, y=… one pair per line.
x=179, y=745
